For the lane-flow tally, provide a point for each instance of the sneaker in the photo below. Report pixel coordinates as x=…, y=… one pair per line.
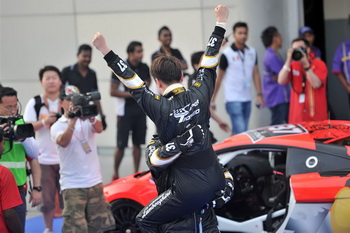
x=47, y=230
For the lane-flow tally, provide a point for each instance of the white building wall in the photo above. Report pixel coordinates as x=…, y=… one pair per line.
x=46, y=32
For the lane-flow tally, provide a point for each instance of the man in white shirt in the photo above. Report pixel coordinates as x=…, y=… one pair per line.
x=85, y=208
x=42, y=111
x=238, y=68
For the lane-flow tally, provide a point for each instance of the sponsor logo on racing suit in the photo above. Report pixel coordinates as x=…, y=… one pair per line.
x=187, y=112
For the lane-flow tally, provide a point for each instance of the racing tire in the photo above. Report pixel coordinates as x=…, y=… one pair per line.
x=125, y=212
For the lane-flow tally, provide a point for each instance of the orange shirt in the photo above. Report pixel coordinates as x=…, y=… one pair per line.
x=307, y=104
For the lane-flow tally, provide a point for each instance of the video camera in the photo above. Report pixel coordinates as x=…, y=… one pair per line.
x=13, y=131
x=82, y=107
x=298, y=53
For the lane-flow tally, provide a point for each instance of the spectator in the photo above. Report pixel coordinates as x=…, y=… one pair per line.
x=307, y=77
x=85, y=208
x=130, y=116
x=81, y=76
x=308, y=34
x=42, y=111
x=341, y=65
x=237, y=69
x=195, y=62
x=165, y=38
x=9, y=198
x=15, y=156
x=276, y=96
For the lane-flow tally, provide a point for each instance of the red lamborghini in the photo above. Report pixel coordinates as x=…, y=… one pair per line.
x=288, y=178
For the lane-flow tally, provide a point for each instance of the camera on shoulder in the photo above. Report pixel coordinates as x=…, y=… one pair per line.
x=82, y=105
x=16, y=128
x=298, y=53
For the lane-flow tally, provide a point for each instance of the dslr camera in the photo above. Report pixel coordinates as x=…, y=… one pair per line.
x=16, y=132
x=82, y=107
x=298, y=53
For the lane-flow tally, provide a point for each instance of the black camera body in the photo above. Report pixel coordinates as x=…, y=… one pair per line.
x=298, y=53
x=82, y=107
x=16, y=132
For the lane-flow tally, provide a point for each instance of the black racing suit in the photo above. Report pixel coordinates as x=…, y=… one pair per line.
x=159, y=158
x=193, y=178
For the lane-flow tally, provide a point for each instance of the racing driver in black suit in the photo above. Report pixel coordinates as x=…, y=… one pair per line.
x=196, y=175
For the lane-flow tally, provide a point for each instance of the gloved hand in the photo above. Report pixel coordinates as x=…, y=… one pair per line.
x=103, y=120
x=223, y=196
x=193, y=136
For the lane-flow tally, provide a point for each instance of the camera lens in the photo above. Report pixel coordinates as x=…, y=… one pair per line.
x=297, y=55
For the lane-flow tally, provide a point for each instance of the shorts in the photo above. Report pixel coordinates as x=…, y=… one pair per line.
x=50, y=177
x=136, y=124
x=86, y=210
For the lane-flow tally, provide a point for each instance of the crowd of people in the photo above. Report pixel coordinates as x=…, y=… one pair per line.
x=294, y=90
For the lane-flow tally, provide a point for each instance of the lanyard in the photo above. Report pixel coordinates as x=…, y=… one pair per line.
x=82, y=133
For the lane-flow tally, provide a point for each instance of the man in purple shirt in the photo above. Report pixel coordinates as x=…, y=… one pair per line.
x=308, y=34
x=341, y=65
x=276, y=96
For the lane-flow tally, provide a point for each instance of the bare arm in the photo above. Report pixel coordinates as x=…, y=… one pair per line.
x=12, y=221
x=49, y=120
x=114, y=91
x=257, y=83
x=313, y=79
x=65, y=138
x=223, y=125
x=343, y=81
x=310, y=75
x=35, y=196
x=96, y=125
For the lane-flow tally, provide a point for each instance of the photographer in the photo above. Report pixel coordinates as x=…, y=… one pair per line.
x=307, y=76
x=42, y=111
x=15, y=153
x=85, y=208
x=9, y=198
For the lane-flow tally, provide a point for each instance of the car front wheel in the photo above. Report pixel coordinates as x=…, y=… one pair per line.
x=124, y=212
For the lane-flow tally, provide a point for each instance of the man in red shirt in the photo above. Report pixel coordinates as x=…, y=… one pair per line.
x=9, y=199
x=308, y=77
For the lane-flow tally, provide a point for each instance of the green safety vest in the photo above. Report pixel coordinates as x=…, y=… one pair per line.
x=15, y=160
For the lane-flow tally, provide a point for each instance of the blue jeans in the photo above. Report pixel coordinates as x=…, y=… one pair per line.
x=279, y=114
x=239, y=113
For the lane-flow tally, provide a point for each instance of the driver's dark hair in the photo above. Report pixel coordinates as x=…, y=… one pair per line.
x=167, y=69
x=302, y=39
x=268, y=34
x=7, y=91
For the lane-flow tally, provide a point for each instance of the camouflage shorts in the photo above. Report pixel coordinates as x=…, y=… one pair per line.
x=86, y=210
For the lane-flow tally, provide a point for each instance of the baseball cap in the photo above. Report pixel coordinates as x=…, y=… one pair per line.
x=68, y=91
x=305, y=29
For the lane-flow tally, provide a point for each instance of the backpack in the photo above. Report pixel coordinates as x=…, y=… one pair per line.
x=38, y=104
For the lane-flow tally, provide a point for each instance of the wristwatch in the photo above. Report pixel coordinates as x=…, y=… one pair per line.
x=38, y=188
